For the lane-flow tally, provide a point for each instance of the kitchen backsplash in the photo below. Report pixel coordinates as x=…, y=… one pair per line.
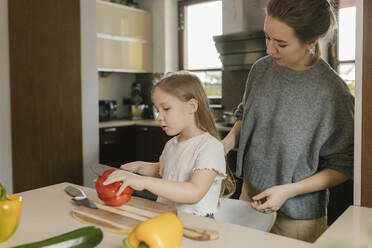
x=115, y=86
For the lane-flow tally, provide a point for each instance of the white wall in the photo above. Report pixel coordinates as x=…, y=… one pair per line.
x=358, y=103
x=89, y=88
x=164, y=33
x=171, y=36
x=243, y=15
x=5, y=122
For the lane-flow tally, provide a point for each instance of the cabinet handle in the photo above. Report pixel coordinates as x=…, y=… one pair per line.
x=107, y=130
x=108, y=142
x=145, y=129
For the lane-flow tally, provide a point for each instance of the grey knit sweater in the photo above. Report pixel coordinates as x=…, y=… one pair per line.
x=294, y=125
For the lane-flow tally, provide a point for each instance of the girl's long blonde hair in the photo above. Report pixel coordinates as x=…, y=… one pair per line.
x=186, y=86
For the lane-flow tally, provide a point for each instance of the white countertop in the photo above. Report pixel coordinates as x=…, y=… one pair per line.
x=353, y=229
x=46, y=213
x=145, y=122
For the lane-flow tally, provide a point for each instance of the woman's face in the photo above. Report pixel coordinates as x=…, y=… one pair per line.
x=284, y=47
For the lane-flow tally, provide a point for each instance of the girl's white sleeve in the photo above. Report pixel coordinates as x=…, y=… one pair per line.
x=211, y=157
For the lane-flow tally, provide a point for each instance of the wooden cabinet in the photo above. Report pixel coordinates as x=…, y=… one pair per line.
x=124, y=38
x=119, y=145
x=150, y=142
x=123, y=21
x=46, y=95
x=116, y=146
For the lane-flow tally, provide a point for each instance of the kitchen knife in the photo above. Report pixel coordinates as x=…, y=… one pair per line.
x=79, y=197
x=98, y=169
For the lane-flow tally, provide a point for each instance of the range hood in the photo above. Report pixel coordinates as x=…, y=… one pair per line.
x=238, y=51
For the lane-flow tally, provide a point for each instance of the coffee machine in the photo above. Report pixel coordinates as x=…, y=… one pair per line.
x=137, y=106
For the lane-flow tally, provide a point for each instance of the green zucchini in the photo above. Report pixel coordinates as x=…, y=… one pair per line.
x=86, y=237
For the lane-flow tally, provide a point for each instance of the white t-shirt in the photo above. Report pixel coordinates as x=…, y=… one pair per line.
x=180, y=159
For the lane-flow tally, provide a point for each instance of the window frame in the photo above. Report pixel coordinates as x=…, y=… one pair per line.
x=182, y=4
x=340, y=5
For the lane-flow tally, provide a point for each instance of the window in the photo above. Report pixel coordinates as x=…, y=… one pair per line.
x=199, y=21
x=346, y=42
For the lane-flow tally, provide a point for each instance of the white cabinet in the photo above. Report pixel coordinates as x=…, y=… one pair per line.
x=124, y=38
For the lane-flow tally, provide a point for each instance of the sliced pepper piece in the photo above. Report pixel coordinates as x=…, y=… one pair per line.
x=162, y=231
x=10, y=213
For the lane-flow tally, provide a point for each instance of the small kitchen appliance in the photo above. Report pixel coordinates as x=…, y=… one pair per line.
x=107, y=110
x=127, y=108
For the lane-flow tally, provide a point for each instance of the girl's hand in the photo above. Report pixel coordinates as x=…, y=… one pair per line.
x=272, y=198
x=129, y=179
x=133, y=167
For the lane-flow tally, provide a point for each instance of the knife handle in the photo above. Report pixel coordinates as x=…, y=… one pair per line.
x=76, y=192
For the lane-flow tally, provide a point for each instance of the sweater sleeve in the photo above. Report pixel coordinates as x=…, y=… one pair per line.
x=248, y=86
x=338, y=151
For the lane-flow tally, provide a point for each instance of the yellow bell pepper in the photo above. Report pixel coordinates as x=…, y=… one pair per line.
x=162, y=231
x=10, y=213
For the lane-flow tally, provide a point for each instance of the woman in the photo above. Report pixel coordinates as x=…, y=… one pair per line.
x=295, y=125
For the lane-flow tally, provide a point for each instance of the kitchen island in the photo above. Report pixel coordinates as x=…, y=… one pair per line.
x=47, y=213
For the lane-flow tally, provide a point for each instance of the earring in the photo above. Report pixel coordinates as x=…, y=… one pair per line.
x=312, y=50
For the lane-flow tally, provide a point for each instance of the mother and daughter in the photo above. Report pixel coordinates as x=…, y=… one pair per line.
x=295, y=131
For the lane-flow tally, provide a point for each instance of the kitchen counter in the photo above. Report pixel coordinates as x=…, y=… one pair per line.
x=146, y=122
x=353, y=229
x=46, y=213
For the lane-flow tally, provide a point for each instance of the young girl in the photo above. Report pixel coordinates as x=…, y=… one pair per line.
x=192, y=166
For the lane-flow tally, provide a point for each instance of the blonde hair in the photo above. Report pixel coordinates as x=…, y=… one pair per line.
x=186, y=86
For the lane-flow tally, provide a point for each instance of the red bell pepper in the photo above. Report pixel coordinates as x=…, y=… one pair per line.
x=107, y=193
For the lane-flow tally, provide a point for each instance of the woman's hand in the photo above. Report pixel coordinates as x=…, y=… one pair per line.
x=137, y=182
x=232, y=138
x=272, y=198
x=228, y=144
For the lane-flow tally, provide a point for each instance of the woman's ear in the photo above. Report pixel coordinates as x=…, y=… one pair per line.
x=193, y=105
x=312, y=44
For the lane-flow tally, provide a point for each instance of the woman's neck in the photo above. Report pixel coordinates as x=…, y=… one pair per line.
x=306, y=63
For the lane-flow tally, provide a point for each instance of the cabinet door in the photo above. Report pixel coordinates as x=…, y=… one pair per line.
x=46, y=95
x=119, y=20
x=116, y=146
x=150, y=142
x=124, y=55
x=124, y=38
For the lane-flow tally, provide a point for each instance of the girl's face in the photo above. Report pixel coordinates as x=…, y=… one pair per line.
x=174, y=115
x=284, y=47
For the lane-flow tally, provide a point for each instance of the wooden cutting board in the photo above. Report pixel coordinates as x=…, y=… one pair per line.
x=123, y=219
x=152, y=206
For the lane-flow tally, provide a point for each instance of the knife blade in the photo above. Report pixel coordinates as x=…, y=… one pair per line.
x=79, y=197
x=98, y=169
